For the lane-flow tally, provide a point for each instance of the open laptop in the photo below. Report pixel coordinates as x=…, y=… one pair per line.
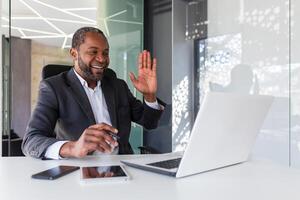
x=223, y=134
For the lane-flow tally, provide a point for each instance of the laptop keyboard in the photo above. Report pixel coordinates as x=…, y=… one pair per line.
x=167, y=164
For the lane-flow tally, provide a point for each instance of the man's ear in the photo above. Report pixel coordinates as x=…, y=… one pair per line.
x=73, y=53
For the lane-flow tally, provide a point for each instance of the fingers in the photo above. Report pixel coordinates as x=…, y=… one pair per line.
x=85, y=172
x=154, y=65
x=102, y=139
x=103, y=126
x=148, y=60
x=140, y=60
x=96, y=137
x=109, y=174
x=92, y=143
x=94, y=172
x=132, y=78
x=102, y=129
x=145, y=58
x=145, y=61
x=100, y=143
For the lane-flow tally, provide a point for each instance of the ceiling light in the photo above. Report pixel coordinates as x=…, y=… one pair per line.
x=64, y=43
x=123, y=21
x=64, y=11
x=52, y=19
x=79, y=9
x=116, y=14
x=106, y=28
x=22, y=33
x=43, y=36
x=30, y=30
x=38, y=14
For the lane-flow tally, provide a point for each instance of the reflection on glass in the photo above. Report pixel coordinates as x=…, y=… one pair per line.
x=222, y=53
x=247, y=51
x=122, y=22
x=180, y=126
x=102, y=172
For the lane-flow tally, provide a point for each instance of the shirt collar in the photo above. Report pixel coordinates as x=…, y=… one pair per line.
x=83, y=82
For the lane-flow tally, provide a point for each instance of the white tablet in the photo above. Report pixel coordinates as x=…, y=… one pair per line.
x=99, y=174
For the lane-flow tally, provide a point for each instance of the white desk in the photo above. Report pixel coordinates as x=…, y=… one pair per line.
x=252, y=180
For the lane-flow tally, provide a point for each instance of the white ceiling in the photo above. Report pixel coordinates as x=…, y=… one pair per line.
x=51, y=22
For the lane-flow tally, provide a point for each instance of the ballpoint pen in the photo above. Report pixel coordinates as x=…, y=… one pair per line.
x=116, y=137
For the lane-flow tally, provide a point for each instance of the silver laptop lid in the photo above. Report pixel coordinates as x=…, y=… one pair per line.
x=224, y=131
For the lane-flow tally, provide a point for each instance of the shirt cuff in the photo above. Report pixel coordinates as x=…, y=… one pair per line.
x=154, y=105
x=52, y=151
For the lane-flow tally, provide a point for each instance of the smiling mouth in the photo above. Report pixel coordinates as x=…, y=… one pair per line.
x=97, y=67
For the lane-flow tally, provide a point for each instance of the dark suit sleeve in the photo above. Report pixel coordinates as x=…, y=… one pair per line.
x=141, y=113
x=40, y=130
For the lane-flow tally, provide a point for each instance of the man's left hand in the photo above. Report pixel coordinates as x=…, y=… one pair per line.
x=146, y=82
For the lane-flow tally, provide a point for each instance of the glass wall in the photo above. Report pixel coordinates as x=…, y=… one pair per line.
x=122, y=22
x=41, y=33
x=251, y=48
x=294, y=38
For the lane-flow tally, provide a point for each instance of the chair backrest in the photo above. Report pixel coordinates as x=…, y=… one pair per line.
x=53, y=69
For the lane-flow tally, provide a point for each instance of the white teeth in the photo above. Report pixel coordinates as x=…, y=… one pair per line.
x=98, y=67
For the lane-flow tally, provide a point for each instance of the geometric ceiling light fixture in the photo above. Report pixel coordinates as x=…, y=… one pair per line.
x=53, y=19
x=64, y=11
x=32, y=23
x=38, y=14
x=109, y=17
x=55, y=24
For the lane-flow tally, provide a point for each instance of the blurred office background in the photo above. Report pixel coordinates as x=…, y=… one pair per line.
x=238, y=46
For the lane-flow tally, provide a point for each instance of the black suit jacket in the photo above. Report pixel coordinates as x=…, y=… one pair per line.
x=63, y=112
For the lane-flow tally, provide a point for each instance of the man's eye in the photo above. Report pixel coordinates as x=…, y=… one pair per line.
x=92, y=52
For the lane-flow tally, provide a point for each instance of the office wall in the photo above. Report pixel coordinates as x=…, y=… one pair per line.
x=157, y=39
x=42, y=55
x=1, y=95
x=182, y=78
x=20, y=84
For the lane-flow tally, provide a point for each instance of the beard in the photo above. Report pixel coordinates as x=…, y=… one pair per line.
x=87, y=70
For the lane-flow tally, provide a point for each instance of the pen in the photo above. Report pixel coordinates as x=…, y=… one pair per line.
x=116, y=137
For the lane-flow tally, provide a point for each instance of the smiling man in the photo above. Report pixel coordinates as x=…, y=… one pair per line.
x=88, y=110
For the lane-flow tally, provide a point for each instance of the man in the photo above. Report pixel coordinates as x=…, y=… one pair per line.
x=79, y=111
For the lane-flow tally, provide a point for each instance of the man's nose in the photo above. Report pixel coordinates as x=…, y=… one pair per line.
x=100, y=58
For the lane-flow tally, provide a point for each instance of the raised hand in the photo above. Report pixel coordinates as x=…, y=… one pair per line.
x=146, y=81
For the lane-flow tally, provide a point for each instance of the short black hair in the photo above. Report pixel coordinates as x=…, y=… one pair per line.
x=79, y=35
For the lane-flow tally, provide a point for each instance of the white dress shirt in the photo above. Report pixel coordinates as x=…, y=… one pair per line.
x=99, y=107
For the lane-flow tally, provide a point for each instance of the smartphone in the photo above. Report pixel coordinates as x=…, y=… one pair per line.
x=98, y=174
x=55, y=172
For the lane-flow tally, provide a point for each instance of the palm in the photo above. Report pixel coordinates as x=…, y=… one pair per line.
x=146, y=81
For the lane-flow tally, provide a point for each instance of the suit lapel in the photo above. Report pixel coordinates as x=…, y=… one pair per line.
x=80, y=96
x=110, y=98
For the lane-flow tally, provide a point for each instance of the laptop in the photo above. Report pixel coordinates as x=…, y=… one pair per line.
x=223, y=134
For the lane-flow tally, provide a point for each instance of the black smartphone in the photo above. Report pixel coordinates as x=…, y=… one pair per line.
x=54, y=173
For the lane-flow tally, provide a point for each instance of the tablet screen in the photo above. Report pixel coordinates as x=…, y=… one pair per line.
x=102, y=172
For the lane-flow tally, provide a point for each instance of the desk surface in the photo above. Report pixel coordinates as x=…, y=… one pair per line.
x=252, y=180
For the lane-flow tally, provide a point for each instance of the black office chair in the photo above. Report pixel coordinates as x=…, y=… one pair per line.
x=53, y=69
